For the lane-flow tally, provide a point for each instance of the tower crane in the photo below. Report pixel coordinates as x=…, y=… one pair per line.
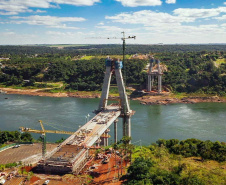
x=123, y=47
x=43, y=132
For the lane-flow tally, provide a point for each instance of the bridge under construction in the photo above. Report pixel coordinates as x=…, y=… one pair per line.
x=72, y=155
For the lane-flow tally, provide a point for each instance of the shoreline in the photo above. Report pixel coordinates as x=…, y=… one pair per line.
x=163, y=99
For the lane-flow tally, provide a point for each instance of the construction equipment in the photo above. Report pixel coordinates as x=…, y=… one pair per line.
x=123, y=47
x=43, y=132
x=43, y=136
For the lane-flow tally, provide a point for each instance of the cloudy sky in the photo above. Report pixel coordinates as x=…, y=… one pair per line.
x=91, y=21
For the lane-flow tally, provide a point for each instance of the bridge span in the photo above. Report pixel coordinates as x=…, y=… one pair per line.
x=73, y=153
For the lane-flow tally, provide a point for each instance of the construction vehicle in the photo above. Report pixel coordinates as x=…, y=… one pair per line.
x=105, y=160
x=43, y=132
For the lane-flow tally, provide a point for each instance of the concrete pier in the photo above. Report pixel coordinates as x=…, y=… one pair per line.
x=152, y=73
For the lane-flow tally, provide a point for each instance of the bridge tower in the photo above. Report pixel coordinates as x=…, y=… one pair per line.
x=114, y=66
x=154, y=72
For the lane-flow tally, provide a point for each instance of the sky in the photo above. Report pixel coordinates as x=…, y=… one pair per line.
x=93, y=21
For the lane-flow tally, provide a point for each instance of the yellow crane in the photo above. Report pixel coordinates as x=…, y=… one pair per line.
x=43, y=132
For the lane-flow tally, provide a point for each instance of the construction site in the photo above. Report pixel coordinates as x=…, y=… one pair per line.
x=78, y=154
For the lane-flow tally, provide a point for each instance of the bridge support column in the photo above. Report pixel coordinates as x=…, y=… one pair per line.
x=98, y=142
x=106, y=139
x=127, y=126
x=149, y=83
x=159, y=83
x=106, y=136
x=150, y=77
x=115, y=130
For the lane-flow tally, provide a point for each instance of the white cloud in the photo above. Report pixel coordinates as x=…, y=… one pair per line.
x=149, y=18
x=40, y=11
x=101, y=23
x=76, y=2
x=223, y=17
x=57, y=33
x=224, y=3
x=111, y=28
x=49, y=21
x=170, y=1
x=179, y=16
x=13, y=7
x=199, y=13
x=135, y=3
x=8, y=33
x=175, y=28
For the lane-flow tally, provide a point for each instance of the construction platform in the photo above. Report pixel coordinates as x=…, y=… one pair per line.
x=73, y=153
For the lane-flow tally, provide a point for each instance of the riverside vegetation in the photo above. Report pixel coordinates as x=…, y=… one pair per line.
x=190, y=69
x=172, y=162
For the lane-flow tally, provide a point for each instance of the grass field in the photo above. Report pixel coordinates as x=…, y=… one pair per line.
x=66, y=45
x=104, y=56
x=218, y=62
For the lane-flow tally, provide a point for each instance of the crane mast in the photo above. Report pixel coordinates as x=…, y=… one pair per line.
x=123, y=48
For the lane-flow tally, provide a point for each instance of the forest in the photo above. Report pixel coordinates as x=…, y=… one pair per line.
x=14, y=136
x=102, y=49
x=187, y=162
x=190, y=68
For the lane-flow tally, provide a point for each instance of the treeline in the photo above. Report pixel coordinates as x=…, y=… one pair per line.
x=194, y=147
x=102, y=49
x=77, y=75
x=190, y=72
x=14, y=136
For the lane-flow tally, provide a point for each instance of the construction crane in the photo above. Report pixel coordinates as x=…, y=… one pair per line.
x=43, y=136
x=43, y=132
x=123, y=47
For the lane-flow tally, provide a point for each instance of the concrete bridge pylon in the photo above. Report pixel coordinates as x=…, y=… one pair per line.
x=114, y=66
x=152, y=73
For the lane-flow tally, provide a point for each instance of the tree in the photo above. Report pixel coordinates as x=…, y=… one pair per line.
x=26, y=137
x=3, y=137
x=140, y=169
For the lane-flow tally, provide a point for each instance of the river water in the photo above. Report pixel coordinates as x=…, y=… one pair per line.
x=205, y=121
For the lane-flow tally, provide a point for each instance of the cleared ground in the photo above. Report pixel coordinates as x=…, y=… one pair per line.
x=24, y=152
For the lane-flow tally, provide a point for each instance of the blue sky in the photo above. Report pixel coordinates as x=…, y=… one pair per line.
x=85, y=21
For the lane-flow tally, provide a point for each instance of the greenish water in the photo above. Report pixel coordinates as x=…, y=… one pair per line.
x=206, y=121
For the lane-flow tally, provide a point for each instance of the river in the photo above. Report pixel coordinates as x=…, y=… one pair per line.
x=205, y=121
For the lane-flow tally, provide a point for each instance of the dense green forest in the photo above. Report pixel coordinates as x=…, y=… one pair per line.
x=190, y=68
x=195, y=72
x=108, y=49
x=172, y=162
x=14, y=136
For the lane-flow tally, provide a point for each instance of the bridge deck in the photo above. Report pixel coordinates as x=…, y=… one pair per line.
x=72, y=153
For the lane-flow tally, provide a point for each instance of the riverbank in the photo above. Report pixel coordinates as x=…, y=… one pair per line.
x=165, y=100
x=154, y=99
